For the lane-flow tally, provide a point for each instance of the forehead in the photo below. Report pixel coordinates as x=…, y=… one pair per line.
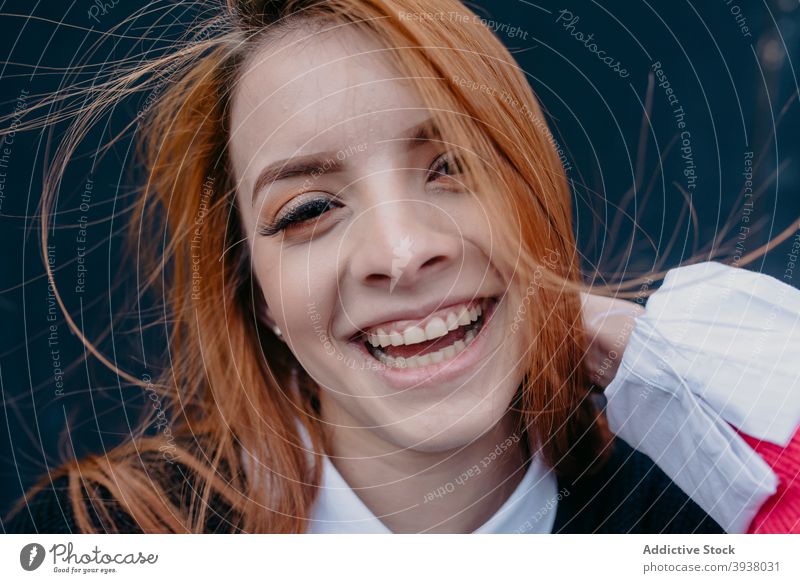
x=309, y=92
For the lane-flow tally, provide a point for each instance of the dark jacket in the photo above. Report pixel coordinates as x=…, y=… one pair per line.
x=629, y=495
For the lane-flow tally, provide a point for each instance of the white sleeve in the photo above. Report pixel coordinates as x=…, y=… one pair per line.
x=716, y=346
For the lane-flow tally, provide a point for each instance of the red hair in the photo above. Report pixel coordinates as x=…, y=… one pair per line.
x=229, y=384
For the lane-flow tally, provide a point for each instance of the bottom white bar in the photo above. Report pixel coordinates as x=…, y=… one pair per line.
x=406, y=558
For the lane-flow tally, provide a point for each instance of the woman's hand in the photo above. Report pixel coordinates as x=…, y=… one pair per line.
x=607, y=323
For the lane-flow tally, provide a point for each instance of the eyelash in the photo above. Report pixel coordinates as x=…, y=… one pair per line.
x=299, y=214
x=443, y=159
x=295, y=216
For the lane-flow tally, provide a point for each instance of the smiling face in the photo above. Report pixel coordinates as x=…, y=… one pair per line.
x=373, y=259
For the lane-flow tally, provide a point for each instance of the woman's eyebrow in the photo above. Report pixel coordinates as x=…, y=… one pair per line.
x=422, y=132
x=311, y=165
x=326, y=162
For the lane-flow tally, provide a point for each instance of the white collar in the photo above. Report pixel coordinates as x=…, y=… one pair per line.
x=531, y=508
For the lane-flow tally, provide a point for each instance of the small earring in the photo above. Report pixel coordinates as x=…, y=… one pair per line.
x=277, y=331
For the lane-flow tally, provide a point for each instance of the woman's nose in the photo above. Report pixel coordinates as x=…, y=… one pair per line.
x=398, y=243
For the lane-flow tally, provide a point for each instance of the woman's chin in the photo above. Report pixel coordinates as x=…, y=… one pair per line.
x=440, y=433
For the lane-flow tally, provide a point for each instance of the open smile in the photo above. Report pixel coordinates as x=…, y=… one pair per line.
x=440, y=340
x=442, y=346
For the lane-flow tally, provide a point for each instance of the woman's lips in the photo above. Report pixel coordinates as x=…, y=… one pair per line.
x=441, y=372
x=421, y=347
x=432, y=326
x=420, y=319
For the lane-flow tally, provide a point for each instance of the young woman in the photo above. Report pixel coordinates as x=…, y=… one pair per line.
x=375, y=311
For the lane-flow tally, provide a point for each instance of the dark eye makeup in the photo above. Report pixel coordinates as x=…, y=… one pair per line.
x=298, y=214
x=447, y=164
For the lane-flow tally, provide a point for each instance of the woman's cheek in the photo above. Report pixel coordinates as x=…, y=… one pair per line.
x=308, y=319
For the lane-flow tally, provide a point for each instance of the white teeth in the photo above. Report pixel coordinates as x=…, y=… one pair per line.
x=436, y=328
x=380, y=338
x=427, y=359
x=383, y=338
x=423, y=360
x=431, y=358
x=414, y=335
x=452, y=321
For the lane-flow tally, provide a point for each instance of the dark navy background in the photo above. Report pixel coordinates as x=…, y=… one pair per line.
x=732, y=87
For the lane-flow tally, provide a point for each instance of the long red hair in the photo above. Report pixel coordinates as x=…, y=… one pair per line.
x=235, y=396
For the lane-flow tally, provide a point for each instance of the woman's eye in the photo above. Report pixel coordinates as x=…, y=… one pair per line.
x=446, y=164
x=299, y=214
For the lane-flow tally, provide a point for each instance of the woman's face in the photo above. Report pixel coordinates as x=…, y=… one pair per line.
x=358, y=225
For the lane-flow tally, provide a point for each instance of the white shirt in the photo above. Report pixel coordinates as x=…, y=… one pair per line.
x=531, y=508
x=716, y=346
